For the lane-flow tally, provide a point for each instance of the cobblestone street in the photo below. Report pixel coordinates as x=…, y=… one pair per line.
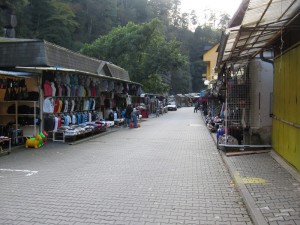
x=166, y=172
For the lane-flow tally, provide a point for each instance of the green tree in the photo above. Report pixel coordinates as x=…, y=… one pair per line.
x=13, y=7
x=141, y=49
x=202, y=38
x=175, y=13
x=181, y=82
x=51, y=20
x=223, y=21
x=193, y=17
x=154, y=84
x=136, y=11
x=160, y=9
x=95, y=18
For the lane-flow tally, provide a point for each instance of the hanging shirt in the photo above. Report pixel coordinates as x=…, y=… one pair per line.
x=47, y=88
x=53, y=89
x=111, y=86
x=97, y=89
x=104, y=85
x=48, y=106
x=72, y=90
x=83, y=118
x=78, y=118
x=102, y=99
x=80, y=91
x=93, y=90
x=67, y=120
x=59, y=90
x=68, y=90
x=90, y=117
x=73, y=119
x=60, y=103
x=55, y=124
x=77, y=105
x=66, y=105
x=94, y=104
x=87, y=104
x=88, y=91
x=67, y=79
x=128, y=100
x=72, y=105
x=64, y=90
x=59, y=120
x=49, y=123
x=76, y=90
x=84, y=92
x=56, y=105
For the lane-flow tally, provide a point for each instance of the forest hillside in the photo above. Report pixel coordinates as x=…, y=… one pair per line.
x=151, y=39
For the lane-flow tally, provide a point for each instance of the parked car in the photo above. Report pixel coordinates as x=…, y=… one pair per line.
x=172, y=107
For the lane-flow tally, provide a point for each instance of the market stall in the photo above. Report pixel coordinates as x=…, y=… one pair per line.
x=73, y=94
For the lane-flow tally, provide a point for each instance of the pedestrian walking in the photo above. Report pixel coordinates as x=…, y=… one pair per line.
x=128, y=115
x=195, y=107
x=134, y=117
x=157, y=112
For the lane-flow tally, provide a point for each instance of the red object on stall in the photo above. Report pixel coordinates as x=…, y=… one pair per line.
x=144, y=114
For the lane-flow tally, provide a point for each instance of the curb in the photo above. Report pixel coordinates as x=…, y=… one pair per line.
x=255, y=214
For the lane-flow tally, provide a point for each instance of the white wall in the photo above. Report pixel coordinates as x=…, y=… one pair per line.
x=261, y=87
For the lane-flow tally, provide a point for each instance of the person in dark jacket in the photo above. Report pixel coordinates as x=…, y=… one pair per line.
x=111, y=116
x=128, y=112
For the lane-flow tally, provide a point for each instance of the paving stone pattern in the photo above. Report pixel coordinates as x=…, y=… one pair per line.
x=279, y=197
x=166, y=172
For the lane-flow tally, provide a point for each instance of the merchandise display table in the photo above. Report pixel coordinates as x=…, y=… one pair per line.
x=2, y=141
x=119, y=122
x=58, y=136
x=76, y=132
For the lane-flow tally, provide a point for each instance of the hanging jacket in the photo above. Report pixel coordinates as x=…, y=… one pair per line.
x=47, y=88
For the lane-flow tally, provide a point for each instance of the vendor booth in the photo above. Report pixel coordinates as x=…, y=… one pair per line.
x=49, y=88
x=241, y=103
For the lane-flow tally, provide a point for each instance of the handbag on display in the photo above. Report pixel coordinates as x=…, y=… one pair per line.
x=13, y=94
x=33, y=96
x=23, y=93
x=7, y=94
x=19, y=94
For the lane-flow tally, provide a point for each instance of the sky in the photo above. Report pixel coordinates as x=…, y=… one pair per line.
x=202, y=6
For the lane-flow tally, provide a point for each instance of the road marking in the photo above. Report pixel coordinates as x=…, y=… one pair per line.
x=249, y=180
x=28, y=172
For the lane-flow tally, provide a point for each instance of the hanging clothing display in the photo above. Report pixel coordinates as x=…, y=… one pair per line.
x=48, y=105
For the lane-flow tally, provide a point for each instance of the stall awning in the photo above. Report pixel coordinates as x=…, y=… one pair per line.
x=74, y=71
x=39, y=53
x=264, y=21
x=17, y=74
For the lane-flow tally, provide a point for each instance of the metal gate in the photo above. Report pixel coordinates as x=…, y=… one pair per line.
x=242, y=110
